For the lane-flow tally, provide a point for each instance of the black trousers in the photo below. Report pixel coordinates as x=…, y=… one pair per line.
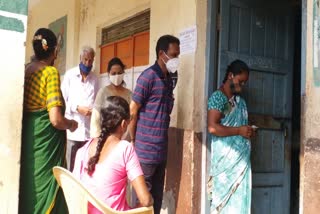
x=154, y=176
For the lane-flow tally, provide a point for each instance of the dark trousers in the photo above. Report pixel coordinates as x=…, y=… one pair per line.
x=72, y=148
x=154, y=176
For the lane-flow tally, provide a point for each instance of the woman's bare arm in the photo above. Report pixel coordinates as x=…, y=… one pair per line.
x=141, y=189
x=59, y=121
x=215, y=127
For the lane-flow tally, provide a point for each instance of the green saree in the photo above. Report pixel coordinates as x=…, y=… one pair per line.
x=43, y=147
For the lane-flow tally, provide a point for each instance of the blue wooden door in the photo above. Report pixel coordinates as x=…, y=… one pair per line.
x=260, y=32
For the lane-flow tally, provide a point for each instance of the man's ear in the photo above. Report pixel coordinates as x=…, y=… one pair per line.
x=161, y=52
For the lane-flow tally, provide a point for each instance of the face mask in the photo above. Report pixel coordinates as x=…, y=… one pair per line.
x=234, y=87
x=172, y=64
x=116, y=79
x=85, y=69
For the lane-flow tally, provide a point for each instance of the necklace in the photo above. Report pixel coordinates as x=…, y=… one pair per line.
x=231, y=100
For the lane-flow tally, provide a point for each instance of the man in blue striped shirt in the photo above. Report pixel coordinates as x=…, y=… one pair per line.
x=151, y=106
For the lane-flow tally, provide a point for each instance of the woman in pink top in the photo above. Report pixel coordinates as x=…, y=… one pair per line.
x=104, y=164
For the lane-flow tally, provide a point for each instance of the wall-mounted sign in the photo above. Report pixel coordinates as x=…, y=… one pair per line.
x=188, y=40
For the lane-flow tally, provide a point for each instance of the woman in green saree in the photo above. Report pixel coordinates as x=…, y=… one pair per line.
x=43, y=132
x=229, y=182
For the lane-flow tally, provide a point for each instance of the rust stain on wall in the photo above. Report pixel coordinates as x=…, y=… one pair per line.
x=84, y=11
x=183, y=176
x=312, y=176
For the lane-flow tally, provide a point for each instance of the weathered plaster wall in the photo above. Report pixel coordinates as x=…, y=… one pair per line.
x=183, y=179
x=13, y=26
x=310, y=117
x=169, y=17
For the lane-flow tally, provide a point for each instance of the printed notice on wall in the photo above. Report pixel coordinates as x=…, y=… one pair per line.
x=188, y=40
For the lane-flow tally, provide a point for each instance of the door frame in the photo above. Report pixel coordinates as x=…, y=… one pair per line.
x=211, y=77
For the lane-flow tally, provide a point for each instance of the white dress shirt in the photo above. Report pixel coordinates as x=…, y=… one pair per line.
x=79, y=93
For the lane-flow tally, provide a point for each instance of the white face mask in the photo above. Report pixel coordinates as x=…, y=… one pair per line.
x=116, y=79
x=172, y=64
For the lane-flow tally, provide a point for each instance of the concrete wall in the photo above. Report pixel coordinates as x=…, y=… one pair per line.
x=13, y=24
x=310, y=114
x=166, y=18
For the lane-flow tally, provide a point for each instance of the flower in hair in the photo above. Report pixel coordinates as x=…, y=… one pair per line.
x=44, y=44
x=37, y=37
x=43, y=41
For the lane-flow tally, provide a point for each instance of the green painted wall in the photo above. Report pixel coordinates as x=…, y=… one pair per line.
x=16, y=6
x=12, y=24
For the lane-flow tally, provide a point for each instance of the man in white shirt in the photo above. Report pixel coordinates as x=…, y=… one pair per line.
x=79, y=89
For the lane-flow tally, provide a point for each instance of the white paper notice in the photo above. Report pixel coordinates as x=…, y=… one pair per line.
x=188, y=40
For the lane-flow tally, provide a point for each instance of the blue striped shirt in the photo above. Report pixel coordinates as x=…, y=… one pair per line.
x=154, y=92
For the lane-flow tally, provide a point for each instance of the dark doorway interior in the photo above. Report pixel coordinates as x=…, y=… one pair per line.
x=220, y=48
x=295, y=166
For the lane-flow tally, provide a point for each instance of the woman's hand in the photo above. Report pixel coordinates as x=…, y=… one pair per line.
x=73, y=125
x=142, y=191
x=85, y=111
x=245, y=131
x=59, y=121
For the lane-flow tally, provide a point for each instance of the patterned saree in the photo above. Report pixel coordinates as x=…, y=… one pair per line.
x=229, y=182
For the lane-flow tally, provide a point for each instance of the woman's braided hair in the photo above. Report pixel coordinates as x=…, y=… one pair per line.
x=116, y=110
x=236, y=67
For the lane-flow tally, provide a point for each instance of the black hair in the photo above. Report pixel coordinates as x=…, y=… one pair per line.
x=236, y=67
x=164, y=42
x=44, y=43
x=115, y=61
x=112, y=115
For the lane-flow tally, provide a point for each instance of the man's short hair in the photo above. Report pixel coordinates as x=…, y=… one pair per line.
x=164, y=42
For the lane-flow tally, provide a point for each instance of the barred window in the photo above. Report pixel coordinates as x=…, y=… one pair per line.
x=128, y=40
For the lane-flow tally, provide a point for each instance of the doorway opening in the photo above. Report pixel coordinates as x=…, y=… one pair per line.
x=267, y=36
x=296, y=111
